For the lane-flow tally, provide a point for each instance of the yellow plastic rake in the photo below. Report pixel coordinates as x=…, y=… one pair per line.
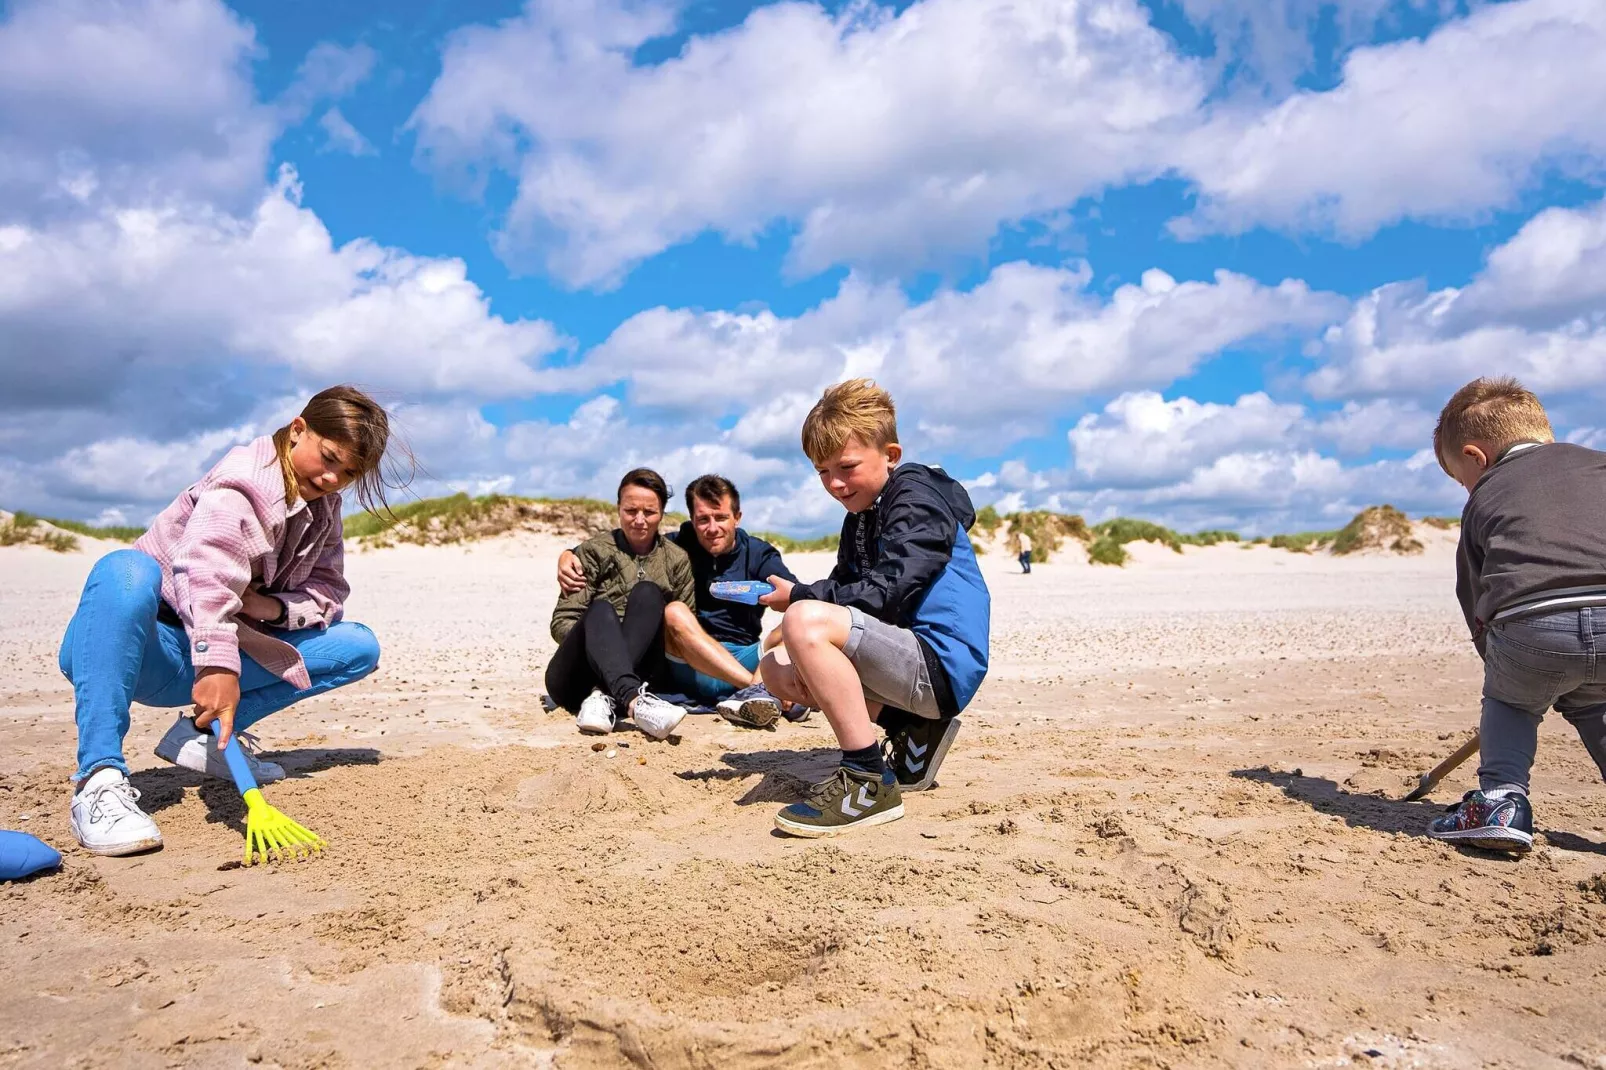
x=269, y=834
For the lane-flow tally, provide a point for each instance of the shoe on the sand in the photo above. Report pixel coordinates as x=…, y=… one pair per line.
x=655, y=716
x=850, y=799
x=596, y=715
x=751, y=707
x=916, y=750
x=1496, y=822
x=107, y=819
x=795, y=712
x=190, y=748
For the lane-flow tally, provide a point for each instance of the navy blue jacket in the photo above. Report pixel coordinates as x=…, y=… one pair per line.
x=750, y=559
x=907, y=561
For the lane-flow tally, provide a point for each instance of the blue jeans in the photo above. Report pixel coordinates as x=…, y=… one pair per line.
x=1530, y=665
x=116, y=652
x=680, y=678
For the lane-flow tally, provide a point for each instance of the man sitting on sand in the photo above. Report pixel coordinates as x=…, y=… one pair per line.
x=719, y=550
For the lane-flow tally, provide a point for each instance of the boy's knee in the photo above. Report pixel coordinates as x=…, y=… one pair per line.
x=806, y=622
x=359, y=648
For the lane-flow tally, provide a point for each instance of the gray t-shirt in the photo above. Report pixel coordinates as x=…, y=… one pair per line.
x=1534, y=525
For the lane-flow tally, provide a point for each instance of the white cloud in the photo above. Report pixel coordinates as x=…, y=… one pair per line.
x=1271, y=40
x=1552, y=271
x=1538, y=311
x=187, y=296
x=1140, y=439
x=1382, y=423
x=133, y=99
x=330, y=71
x=1593, y=437
x=888, y=139
x=976, y=369
x=343, y=137
x=1444, y=128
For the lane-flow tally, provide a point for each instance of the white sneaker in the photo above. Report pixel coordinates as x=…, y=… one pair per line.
x=107, y=819
x=190, y=748
x=596, y=715
x=654, y=716
x=751, y=707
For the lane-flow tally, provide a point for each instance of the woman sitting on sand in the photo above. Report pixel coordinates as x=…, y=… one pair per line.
x=610, y=633
x=231, y=602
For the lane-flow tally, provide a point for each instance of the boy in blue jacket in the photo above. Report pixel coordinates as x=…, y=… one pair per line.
x=897, y=633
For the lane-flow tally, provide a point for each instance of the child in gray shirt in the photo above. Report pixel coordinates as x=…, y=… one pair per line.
x=1531, y=579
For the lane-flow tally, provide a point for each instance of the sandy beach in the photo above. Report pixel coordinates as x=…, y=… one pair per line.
x=1165, y=837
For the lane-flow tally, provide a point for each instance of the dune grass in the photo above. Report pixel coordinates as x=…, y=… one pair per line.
x=23, y=529
x=1111, y=536
x=112, y=532
x=825, y=544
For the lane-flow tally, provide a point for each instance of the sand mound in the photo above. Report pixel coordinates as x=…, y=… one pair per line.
x=1378, y=529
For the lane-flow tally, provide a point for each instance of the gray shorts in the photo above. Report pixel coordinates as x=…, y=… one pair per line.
x=891, y=666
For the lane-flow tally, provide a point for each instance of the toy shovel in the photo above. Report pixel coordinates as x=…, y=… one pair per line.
x=266, y=829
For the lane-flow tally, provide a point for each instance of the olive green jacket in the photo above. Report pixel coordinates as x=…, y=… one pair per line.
x=612, y=569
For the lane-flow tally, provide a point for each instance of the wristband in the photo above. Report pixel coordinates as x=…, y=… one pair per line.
x=284, y=613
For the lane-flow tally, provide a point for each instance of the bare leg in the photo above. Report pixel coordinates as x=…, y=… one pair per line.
x=781, y=678
x=815, y=633
x=684, y=637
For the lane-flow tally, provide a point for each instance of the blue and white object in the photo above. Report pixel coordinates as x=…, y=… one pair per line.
x=22, y=855
x=748, y=591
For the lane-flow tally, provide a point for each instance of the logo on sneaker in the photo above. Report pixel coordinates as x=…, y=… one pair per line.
x=916, y=751
x=864, y=802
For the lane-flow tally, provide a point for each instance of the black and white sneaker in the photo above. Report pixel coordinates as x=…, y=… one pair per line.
x=917, y=748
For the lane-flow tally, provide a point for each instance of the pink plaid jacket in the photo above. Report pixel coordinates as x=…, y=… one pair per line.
x=232, y=530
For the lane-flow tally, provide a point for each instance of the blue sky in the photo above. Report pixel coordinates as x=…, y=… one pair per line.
x=1214, y=262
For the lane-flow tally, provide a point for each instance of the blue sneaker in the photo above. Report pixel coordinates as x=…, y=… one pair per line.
x=1494, y=823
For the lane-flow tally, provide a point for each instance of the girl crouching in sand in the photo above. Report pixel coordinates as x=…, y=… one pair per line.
x=230, y=603
x=610, y=633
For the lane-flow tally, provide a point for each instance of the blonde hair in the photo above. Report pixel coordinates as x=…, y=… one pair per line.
x=355, y=422
x=1494, y=412
x=853, y=409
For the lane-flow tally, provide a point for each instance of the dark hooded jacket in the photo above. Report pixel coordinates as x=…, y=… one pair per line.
x=907, y=561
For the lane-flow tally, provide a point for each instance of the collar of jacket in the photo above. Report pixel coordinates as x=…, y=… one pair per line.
x=623, y=543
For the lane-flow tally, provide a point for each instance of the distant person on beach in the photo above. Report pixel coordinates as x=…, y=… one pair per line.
x=1531, y=579
x=719, y=549
x=230, y=603
x=897, y=634
x=1025, y=552
x=639, y=600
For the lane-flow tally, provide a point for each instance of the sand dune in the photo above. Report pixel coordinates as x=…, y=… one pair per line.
x=1162, y=839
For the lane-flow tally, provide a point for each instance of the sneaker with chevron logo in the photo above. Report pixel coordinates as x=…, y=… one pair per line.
x=916, y=751
x=1499, y=821
x=849, y=799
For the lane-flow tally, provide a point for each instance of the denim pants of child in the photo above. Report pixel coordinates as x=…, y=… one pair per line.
x=1532, y=664
x=116, y=652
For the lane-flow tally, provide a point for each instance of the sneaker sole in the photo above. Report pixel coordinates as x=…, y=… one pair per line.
x=1512, y=841
x=929, y=780
x=121, y=849
x=744, y=716
x=814, y=832
x=594, y=730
